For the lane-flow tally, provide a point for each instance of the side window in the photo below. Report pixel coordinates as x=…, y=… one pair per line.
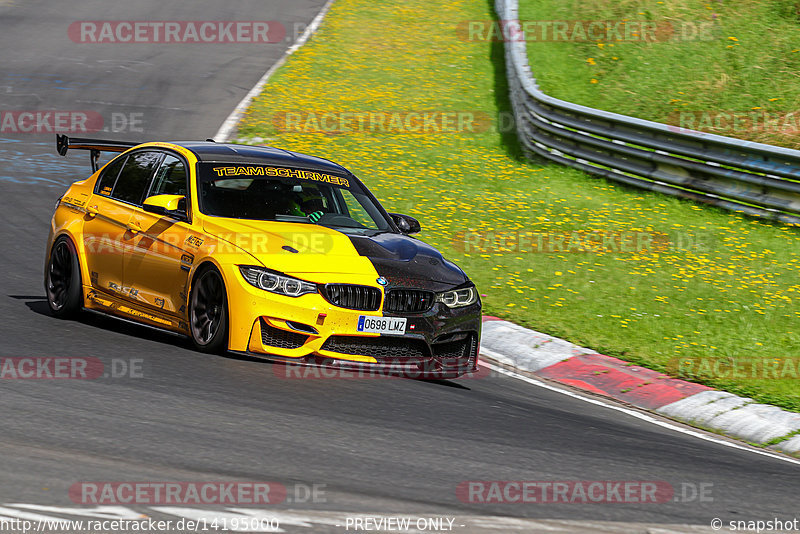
x=356, y=210
x=135, y=176
x=170, y=178
x=106, y=181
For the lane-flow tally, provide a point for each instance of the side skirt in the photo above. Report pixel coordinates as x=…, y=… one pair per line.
x=106, y=304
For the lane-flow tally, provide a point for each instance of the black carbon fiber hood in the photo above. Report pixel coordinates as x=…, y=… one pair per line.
x=408, y=262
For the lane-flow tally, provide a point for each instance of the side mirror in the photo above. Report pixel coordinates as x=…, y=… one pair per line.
x=406, y=223
x=170, y=205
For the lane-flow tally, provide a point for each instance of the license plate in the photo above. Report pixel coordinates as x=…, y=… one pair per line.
x=394, y=326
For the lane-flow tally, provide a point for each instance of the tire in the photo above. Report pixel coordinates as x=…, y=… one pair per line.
x=208, y=312
x=62, y=282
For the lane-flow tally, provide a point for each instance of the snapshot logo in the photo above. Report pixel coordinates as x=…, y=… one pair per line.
x=74, y=368
x=738, y=369
x=732, y=123
x=586, y=31
x=387, y=122
x=581, y=492
x=760, y=525
x=67, y=122
x=175, y=31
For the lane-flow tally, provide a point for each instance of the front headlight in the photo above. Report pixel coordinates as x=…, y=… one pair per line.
x=458, y=297
x=276, y=283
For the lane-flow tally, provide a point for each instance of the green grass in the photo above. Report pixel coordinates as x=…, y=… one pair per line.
x=747, y=60
x=723, y=288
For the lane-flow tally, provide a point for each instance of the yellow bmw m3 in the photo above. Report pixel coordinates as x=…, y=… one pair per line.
x=261, y=251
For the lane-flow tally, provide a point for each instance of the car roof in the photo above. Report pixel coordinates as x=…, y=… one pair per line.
x=209, y=151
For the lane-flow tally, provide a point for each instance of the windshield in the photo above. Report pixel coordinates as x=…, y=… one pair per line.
x=267, y=193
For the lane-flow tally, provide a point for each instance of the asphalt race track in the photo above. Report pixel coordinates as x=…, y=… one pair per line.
x=369, y=446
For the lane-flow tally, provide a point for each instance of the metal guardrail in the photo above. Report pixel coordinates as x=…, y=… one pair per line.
x=754, y=178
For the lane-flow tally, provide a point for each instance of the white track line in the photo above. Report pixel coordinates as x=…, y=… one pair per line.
x=233, y=119
x=633, y=413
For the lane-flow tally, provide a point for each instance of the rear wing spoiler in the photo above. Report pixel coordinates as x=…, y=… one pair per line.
x=95, y=146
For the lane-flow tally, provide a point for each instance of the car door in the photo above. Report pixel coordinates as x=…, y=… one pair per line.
x=107, y=232
x=104, y=225
x=158, y=263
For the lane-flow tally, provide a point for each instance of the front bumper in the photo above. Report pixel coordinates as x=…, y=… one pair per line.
x=308, y=330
